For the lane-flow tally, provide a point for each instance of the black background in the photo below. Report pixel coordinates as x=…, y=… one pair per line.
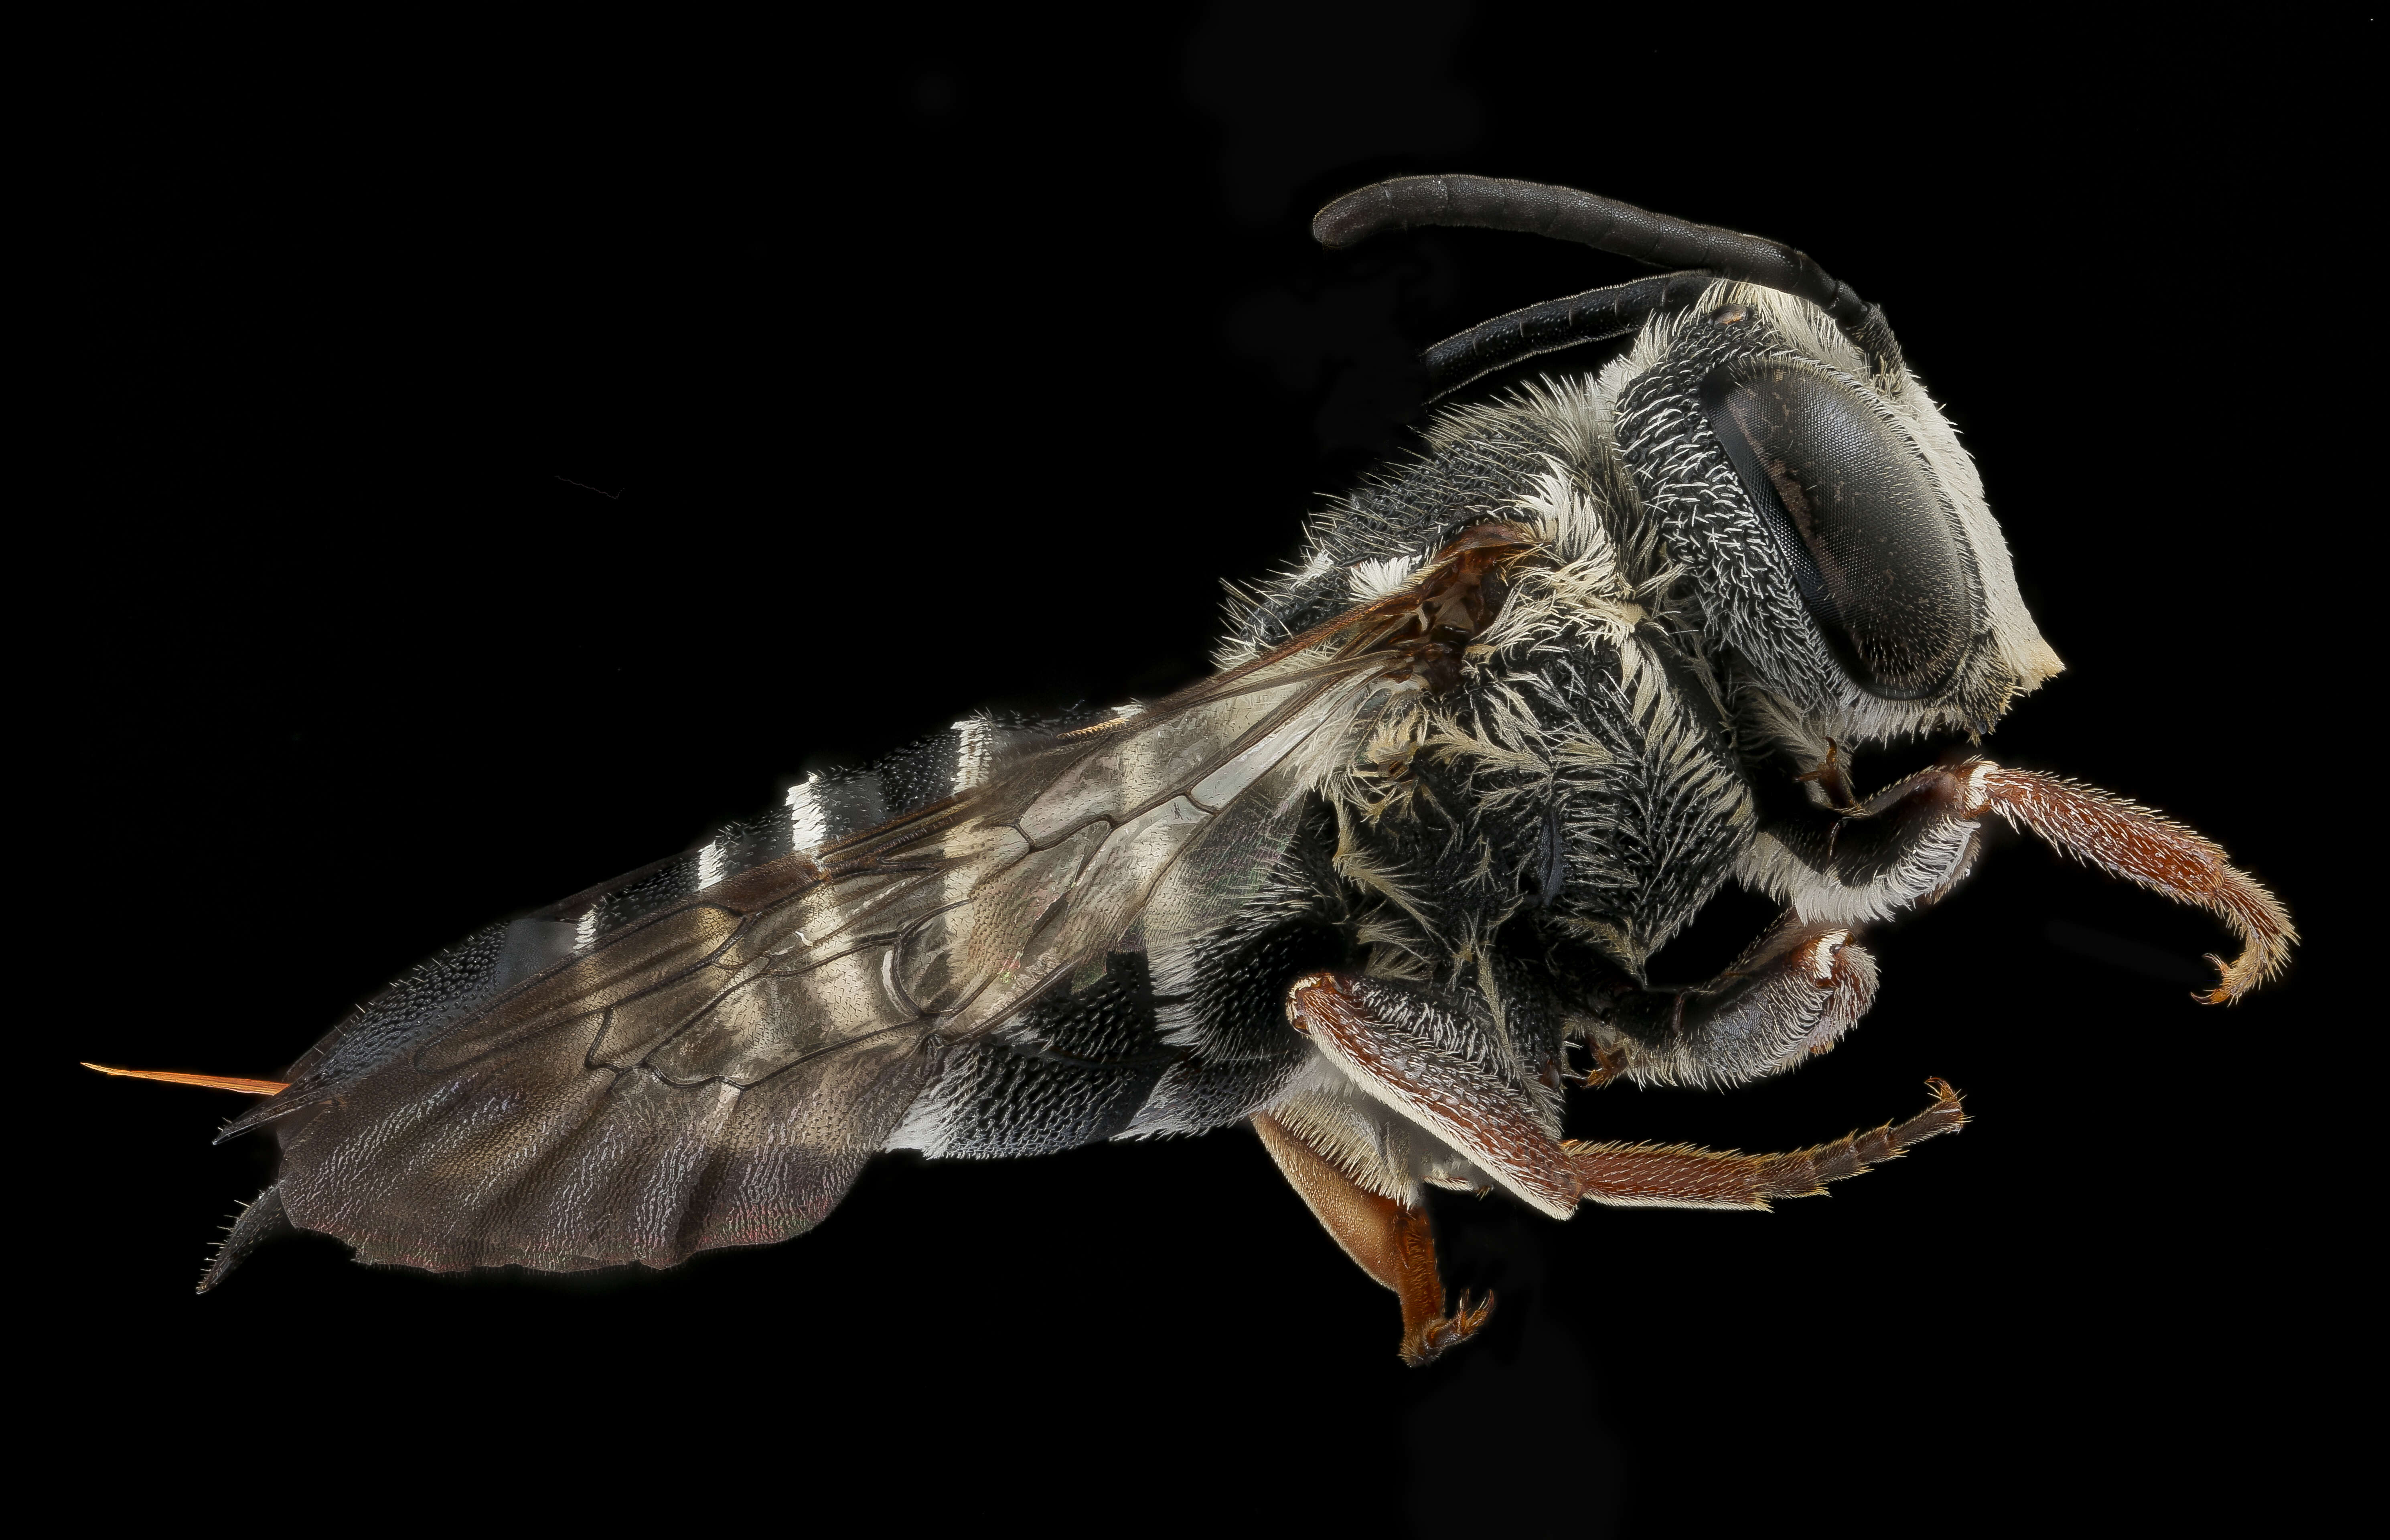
x=498, y=472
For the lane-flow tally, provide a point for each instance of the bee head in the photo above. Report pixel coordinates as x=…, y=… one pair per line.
x=1838, y=551
x=1834, y=536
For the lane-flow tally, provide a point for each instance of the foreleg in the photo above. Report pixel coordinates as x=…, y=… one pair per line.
x=1910, y=843
x=1860, y=861
x=1390, y=1240
x=2128, y=840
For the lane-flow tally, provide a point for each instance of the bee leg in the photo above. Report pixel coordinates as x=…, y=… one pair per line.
x=1792, y=994
x=1679, y=1176
x=1390, y=1242
x=2146, y=847
x=1410, y=1050
x=1911, y=843
x=1903, y=848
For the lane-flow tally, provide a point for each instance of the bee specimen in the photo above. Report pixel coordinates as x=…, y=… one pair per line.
x=1382, y=886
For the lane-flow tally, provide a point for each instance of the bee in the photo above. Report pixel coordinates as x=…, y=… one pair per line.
x=1383, y=887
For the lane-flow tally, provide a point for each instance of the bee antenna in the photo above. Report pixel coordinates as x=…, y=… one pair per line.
x=1606, y=225
x=1595, y=315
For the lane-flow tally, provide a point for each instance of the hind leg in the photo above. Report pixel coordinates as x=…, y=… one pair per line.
x=1405, y=1050
x=1390, y=1240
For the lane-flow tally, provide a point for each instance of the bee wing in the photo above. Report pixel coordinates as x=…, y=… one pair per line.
x=717, y=1071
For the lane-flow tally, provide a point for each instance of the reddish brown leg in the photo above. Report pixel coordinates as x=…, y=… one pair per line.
x=1390, y=1240
x=1680, y=1177
x=1392, y=1042
x=1408, y=1049
x=2130, y=841
x=1871, y=860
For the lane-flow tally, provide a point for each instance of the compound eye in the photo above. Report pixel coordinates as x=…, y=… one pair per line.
x=1854, y=512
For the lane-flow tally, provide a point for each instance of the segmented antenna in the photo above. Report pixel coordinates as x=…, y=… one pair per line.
x=1606, y=225
x=1595, y=315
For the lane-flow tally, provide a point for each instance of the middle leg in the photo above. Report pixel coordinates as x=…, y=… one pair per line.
x=1411, y=1051
x=1792, y=994
x=1682, y=1176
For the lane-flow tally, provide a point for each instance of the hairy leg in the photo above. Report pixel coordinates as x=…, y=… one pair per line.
x=1909, y=843
x=1795, y=993
x=2142, y=846
x=1412, y=1052
x=1856, y=861
x=1679, y=1177
x=1806, y=982
x=1390, y=1240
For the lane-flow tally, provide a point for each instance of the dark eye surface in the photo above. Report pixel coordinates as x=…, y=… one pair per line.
x=1858, y=517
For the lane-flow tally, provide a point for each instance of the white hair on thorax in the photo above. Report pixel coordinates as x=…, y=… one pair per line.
x=1374, y=579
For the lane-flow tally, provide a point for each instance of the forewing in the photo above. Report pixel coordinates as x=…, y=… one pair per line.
x=716, y=1073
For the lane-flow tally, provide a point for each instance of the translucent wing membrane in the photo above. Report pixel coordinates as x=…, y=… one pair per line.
x=705, y=1053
